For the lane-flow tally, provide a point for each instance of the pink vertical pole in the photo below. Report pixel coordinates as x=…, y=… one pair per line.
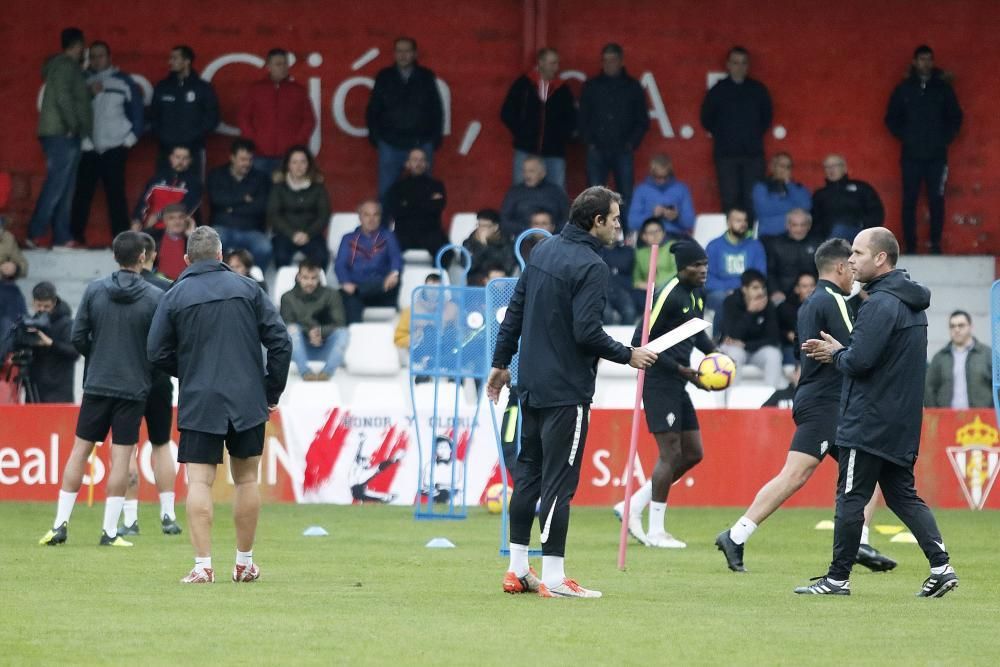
x=634, y=442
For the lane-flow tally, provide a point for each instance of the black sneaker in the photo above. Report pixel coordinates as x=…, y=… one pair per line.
x=170, y=526
x=55, y=536
x=870, y=557
x=732, y=551
x=129, y=530
x=824, y=586
x=937, y=585
x=116, y=541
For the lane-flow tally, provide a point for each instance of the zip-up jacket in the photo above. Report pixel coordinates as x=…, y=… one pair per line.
x=846, y=202
x=66, y=102
x=649, y=194
x=405, y=113
x=367, y=258
x=183, y=111
x=737, y=115
x=613, y=113
x=537, y=126
x=118, y=111
x=924, y=116
x=276, y=116
x=238, y=204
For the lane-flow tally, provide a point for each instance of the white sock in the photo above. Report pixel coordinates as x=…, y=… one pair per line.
x=657, y=517
x=167, y=505
x=519, y=559
x=742, y=530
x=864, y=535
x=112, y=510
x=65, y=507
x=552, y=571
x=640, y=499
x=244, y=558
x=131, y=512
x=202, y=564
x=942, y=569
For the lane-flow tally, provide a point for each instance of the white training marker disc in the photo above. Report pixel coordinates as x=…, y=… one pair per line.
x=501, y=313
x=780, y=132
x=475, y=320
x=687, y=131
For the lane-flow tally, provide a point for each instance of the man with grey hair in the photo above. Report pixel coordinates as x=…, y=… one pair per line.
x=535, y=192
x=845, y=205
x=791, y=254
x=208, y=331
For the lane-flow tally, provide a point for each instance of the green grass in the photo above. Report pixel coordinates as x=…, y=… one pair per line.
x=370, y=593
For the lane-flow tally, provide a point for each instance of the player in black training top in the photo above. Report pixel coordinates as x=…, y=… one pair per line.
x=670, y=415
x=815, y=409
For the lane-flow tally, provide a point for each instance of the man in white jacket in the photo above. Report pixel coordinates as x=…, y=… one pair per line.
x=118, y=110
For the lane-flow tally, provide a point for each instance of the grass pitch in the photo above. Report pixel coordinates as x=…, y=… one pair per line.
x=371, y=593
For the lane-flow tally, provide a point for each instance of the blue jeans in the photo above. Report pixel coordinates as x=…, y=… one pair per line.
x=555, y=168
x=331, y=352
x=391, y=161
x=256, y=242
x=55, y=202
x=621, y=166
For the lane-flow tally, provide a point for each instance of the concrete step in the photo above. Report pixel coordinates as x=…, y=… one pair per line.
x=973, y=270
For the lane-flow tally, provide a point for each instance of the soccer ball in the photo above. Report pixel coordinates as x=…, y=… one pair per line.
x=717, y=371
x=494, y=498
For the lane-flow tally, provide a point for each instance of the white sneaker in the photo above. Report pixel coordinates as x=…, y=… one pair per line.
x=635, y=528
x=567, y=589
x=664, y=541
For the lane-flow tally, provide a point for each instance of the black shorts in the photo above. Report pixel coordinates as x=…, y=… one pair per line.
x=159, y=412
x=815, y=430
x=200, y=447
x=668, y=408
x=100, y=414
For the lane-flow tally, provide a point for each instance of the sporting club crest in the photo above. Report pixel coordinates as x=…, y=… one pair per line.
x=976, y=460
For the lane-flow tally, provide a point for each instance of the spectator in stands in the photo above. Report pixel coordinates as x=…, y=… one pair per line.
x=12, y=308
x=542, y=219
x=960, y=375
x=298, y=210
x=788, y=315
x=541, y=116
x=238, y=194
x=276, y=114
x=791, y=254
x=749, y=330
x=175, y=184
x=737, y=111
x=535, y=192
x=184, y=110
x=368, y=264
x=241, y=261
x=652, y=234
x=925, y=116
x=613, y=121
x=314, y=315
x=775, y=196
x=65, y=118
x=118, y=112
x=728, y=257
x=414, y=204
x=171, y=240
x=663, y=197
x=13, y=265
x=620, y=307
x=404, y=112
x=54, y=360
x=422, y=304
x=488, y=246
x=844, y=206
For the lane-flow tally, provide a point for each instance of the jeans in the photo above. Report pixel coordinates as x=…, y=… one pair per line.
x=933, y=173
x=255, y=241
x=555, y=168
x=267, y=165
x=331, y=352
x=737, y=176
x=391, y=161
x=315, y=251
x=621, y=166
x=62, y=157
x=109, y=168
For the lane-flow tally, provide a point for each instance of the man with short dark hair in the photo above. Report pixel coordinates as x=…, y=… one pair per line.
x=535, y=192
x=729, y=256
x=176, y=183
x=368, y=264
x=881, y=412
x=555, y=312
x=414, y=204
x=960, y=375
x=845, y=205
x=53, y=363
x=314, y=315
x=65, y=118
x=184, y=109
x=404, y=112
x=488, y=245
x=749, y=330
x=208, y=332
x=238, y=194
x=110, y=331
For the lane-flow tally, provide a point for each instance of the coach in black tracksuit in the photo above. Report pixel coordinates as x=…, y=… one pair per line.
x=881, y=412
x=556, y=312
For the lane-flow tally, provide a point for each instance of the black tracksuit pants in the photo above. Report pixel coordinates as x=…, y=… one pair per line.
x=737, y=176
x=859, y=472
x=109, y=168
x=548, y=466
x=933, y=174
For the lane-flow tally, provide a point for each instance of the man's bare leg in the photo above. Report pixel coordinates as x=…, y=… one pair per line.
x=246, y=511
x=72, y=479
x=115, y=492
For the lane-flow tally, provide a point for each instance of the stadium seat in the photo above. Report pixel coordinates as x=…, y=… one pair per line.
x=284, y=280
x=462, y=224
x=413, y=277
x=340, y=224
x=379, y=314
x=417, y=257
x=371, y=351
x=386, y=396
x=709, y=226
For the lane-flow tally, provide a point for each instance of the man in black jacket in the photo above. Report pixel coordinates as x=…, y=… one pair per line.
x=925, y=116
x=414, y=205
x=54, y=360
x=613, y=121
x=845, y=205
x=208, y=332
x=238, y=194
x=737, y=111
x=881, y=412
x=791, y=254
x=541, y=117
x=556, y=313
x=110, y=331
x=404, y=112
x=749, y=327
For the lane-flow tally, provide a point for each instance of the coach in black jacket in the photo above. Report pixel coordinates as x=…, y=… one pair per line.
x=881, y=411
x=556, y=312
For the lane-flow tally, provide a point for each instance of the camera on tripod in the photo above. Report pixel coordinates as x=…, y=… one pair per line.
x=24, y=337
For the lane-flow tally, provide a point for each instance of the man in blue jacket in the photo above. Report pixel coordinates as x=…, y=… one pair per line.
x=776, y=195
x=555, y=314
x=881, y=412
x=208, y=332
x=663, y=197
x=368, y=264
x=729, y=256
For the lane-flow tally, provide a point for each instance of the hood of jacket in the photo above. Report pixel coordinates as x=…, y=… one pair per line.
x=62, y=310
x=202, y=266
x=897, y=282
x=125, y=286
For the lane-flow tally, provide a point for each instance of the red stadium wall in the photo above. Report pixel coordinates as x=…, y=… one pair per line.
x=830, y=69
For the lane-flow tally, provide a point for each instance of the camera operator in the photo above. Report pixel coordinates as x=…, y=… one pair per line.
x=54, y=360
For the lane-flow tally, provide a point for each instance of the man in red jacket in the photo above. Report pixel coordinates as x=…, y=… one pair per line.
x=276, y=113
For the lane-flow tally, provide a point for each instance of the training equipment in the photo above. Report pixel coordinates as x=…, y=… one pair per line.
x=246, y=573
x=529, y=583
x=494, y=497
x=937, y=585
x=168, y=525
x=824, y=586
x=875, y=561
x=567, y=589
x=732, y=551
x=196, y=576
x=716, y=371
x=115, y=541
x=54, y=536
x=683, y=332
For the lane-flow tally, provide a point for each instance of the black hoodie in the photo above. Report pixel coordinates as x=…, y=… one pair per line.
x=110, y=331
x=881, y=403
x=53, y=366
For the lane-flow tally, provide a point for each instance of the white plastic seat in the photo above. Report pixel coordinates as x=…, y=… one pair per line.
x=412, y=278
x=340, y=224
x=709, y=226
x=417, y=257
x=462, y=225
x=371, y=351
x=379, y=314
